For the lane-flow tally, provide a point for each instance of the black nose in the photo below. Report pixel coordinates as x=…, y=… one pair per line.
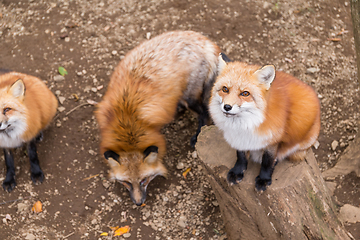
x=227, y=107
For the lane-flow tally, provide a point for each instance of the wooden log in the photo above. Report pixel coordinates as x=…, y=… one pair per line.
x=296, y=205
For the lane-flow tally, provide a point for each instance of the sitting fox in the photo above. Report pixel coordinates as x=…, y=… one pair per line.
x=269, y=113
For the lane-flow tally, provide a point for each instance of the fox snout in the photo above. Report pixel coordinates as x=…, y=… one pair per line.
x=138, y=195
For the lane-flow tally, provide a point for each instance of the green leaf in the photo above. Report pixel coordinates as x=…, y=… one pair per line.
x=62, y=71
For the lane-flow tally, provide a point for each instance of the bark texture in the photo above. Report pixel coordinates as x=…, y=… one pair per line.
x=297, y=205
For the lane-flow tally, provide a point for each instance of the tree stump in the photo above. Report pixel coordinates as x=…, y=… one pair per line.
x=296, y=205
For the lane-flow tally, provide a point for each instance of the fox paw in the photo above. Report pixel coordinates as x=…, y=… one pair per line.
x=9, y=185
x=261, y=184
x=234, y=177
x=37, y=177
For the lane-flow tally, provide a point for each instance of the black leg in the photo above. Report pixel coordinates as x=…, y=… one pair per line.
x=267, y=168
x=9, y=182
x=236, y=174
x=203, y=119
x=37, y=174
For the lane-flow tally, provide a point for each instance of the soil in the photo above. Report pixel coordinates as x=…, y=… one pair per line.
x=310, y=39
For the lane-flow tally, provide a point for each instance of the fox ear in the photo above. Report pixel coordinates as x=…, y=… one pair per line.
x=150, y=154
x=111, y=155
x=222, y=63
x=17, y=89
x=266, y=75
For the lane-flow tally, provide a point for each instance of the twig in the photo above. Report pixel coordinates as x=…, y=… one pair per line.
x=69, y=235
x=87, y=178
x=79, y=106
x=15, y=200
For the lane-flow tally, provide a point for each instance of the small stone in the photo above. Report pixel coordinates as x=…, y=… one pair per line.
x=106, y=184
x=334, y=145
x=148, y=35
x=57, y=92
x=61, y=100
x=182, y=221
x=22, y=207
x=94, y=89
x=194, y=154
x=312, y=70
x=215, y=203
x=59, y=78
x=67, y=39
x=30, y=236
x=180, y=165
x=92, y=152
x=61, y=109
x=349, y=213
x=126, y=235
x=316, y=144
x=114, y=53
x=94, y=221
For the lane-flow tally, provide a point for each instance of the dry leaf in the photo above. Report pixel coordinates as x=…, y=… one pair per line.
x=143, y=205
x=37, y=208
x=334, y=39
x=75, y=96
x=104, y=234
x=114, y=228
x=185, y=173
x=121, y=231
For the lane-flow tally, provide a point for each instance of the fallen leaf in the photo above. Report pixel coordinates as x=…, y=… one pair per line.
x=62, y=71
x=37, y=208
x=75, y=96
x=343, y=31
x=334, y=39
x=121, y=231
x=185, y=173
x=104, y=234
x=143, y=205
x=114, y=228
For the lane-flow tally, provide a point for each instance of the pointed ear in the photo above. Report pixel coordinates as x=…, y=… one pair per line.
x=266, y=75
x=150, y=154
x=221, y=64
x=17, y=89
x=111, y=155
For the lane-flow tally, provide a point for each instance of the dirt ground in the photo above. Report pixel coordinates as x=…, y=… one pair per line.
x=310, y=39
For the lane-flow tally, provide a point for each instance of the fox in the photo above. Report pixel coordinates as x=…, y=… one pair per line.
x=27, y=107
x=148, y=85
x=264, y=114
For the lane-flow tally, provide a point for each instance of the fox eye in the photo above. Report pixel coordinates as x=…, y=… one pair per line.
x=144, y=181
x=245, y=94
x=6, y=110
x=126, y=184
x=225, y=89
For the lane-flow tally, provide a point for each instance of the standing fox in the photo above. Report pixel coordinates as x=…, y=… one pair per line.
x=269, y=113
x=27, y=106
x=143, y=94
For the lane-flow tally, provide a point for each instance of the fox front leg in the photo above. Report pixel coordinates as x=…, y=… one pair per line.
x=9, y=182
x=37, y=175
x=267, y=168
x=236, y=174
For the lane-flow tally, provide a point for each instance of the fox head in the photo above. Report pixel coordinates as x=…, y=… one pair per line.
x=135, y=170
x=13, y=120
x=239, y=93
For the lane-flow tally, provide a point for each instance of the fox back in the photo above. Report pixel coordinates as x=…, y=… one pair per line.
x=144, y=92
x=258, y=108
x=26, y=107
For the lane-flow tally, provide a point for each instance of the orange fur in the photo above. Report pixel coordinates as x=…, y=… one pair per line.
x=38, y=106
x=290, y=121
x=144, y=92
